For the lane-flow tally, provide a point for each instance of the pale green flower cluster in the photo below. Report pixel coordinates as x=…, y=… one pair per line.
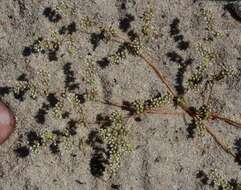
x=115, y=138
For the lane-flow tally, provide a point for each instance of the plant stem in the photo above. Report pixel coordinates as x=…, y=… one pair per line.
x=184, y=105
x=219, y=142
x=112, y=104
x=164, y=113
x=159, y=74
x=226, y=120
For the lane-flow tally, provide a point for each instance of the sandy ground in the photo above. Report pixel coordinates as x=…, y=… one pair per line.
x=164, y=158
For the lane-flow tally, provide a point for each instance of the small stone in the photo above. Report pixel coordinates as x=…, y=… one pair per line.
x=7, y=122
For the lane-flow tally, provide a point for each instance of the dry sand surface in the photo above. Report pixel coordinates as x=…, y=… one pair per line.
x=164, y=155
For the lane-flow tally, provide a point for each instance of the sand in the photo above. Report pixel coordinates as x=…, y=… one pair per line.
x=163, y=157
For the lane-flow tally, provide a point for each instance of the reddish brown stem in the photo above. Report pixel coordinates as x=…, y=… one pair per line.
x=164, y=113
x=219, y=142
x=226, y=120
x=112, y=103
x=159, y=74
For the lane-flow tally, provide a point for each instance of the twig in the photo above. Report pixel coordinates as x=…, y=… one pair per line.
x=112, y=103
x=164, y=113
x=219, y=142
x=226, y=120
x=159, y=74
